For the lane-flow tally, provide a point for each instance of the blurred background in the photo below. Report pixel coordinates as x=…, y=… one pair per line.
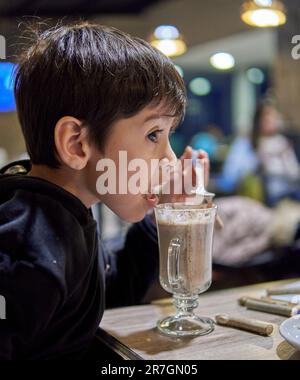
x=241, y=63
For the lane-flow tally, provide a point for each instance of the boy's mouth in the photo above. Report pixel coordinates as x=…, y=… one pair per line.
x=152, y=199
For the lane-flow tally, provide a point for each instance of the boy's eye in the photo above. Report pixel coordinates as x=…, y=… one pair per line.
x=153, y=136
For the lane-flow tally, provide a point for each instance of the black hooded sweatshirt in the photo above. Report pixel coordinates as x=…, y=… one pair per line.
x=55, y=274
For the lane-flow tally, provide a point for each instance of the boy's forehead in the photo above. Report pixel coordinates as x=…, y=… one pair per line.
x=153, y=113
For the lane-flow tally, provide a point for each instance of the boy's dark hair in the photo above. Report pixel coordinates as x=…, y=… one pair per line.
x=94, y=73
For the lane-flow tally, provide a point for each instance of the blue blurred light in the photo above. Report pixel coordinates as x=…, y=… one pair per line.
x=166, y=32
x=205, y=141
x=255, y=75
x=200, y=86
x=7, y=100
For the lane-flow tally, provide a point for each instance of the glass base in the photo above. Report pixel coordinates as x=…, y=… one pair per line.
x=186, y=325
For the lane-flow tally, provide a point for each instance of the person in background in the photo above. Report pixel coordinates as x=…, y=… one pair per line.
x=279, y=166
x=263, y=166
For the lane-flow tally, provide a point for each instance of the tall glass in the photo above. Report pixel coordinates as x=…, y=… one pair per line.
x=185, y=235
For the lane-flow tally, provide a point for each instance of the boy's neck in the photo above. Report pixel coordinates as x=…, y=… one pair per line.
x=70, y=181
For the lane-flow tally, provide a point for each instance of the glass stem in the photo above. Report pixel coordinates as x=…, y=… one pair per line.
x=185, y=305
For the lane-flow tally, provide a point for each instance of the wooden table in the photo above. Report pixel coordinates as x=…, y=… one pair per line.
x=132, y=331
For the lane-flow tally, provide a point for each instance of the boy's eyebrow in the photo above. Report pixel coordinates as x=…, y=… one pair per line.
x=175, y=122
x=156, y=116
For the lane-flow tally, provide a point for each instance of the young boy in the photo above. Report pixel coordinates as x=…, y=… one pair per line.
x=84, y=93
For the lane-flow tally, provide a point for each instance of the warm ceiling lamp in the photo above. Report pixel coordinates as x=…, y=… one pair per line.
x=222, y=61
x=166, y=38
x=263, y=13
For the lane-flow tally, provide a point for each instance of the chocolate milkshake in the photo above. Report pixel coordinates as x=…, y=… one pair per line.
x=185, y=246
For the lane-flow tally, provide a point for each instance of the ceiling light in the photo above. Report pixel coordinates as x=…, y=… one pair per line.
x=222, y=61
x=255, y=75
x=166, y=32
x=263, y=13
x=167, y=39
x=171, y=48
x=200, y=86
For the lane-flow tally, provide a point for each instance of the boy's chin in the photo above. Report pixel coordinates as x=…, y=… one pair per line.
x=134, y=215
x=134, y=218
x=135, y=211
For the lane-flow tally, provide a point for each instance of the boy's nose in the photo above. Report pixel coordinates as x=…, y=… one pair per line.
x=170, y=155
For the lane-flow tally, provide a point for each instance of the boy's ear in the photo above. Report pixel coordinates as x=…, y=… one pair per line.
x=71, y=142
